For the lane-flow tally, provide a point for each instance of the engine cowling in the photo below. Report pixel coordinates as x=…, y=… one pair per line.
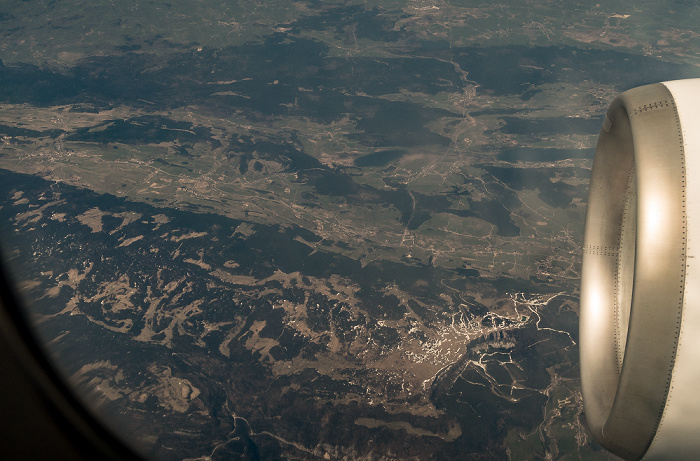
x=640, y=276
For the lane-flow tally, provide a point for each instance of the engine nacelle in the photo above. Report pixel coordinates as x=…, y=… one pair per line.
x=640, y=278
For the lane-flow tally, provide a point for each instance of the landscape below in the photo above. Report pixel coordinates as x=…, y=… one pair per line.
x=313, y=230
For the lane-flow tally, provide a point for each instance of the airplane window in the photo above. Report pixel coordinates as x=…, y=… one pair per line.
x=316, y=230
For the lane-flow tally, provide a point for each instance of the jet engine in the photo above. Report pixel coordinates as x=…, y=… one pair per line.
x=640, y=277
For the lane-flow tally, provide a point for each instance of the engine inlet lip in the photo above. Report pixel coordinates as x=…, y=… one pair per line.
x=628, y=341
